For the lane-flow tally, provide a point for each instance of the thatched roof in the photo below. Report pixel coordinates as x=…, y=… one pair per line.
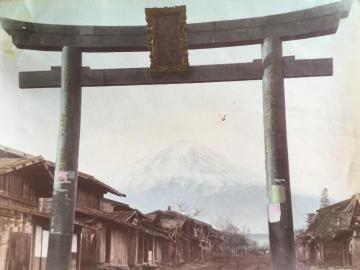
x=334, y=220
x=174, y=221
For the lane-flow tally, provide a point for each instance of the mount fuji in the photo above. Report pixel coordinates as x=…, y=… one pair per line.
x=192, y=176
x=189, y=166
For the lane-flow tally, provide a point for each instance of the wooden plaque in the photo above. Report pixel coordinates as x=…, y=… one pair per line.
x=167, y=40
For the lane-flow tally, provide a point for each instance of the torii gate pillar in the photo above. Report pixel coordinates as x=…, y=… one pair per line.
x=66, y=170
x=276, y=157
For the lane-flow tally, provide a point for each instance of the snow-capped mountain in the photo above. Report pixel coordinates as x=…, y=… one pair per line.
x=195, y=176
x=187, y=165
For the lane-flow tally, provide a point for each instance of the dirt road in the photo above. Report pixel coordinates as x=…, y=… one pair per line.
x=240, y=263
x=222, y=266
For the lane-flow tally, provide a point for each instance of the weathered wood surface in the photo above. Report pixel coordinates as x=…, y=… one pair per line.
x=88, y=198
x=18, y=190
x=19, y=255
x=199, y=74
x=88, y=248
x=317, y=21
x=119, y=247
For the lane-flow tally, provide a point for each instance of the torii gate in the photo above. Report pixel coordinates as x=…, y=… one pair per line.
x=270, y=31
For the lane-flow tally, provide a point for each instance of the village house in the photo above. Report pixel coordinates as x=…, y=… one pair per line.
x=108, y=234
x=148, y=245
x=333, y=237
x=25, y=207
x=192, y=238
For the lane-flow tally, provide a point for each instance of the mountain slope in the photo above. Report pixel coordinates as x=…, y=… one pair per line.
x=243, y=205
x=191, y=176
x=191, y=166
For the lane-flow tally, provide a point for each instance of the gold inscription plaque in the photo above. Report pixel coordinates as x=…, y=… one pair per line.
x=167, y=40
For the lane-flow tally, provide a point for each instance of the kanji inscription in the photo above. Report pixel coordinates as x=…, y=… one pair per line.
x=167, y=40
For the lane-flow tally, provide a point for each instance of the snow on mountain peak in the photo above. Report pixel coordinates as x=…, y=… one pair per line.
x=185, y=164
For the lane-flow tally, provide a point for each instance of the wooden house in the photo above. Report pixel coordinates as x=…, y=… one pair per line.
x=25, y=207
x=148, y=246
x=333, y=237
x=22, y=181
x=191, y=237
x=107, y=234
x=105, y=239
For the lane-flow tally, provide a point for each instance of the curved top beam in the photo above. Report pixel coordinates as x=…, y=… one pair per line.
x=307, y=23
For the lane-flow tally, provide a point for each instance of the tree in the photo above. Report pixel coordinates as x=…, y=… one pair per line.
x=310, y=218
x=235, y=238
x=324, y=200
x=184, y=208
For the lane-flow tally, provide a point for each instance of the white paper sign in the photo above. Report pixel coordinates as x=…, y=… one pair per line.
x=274, y=212
x=38, y=236
x=45, y=243
x=74, y=244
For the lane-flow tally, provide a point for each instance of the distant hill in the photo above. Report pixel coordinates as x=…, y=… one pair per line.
x=194, y=176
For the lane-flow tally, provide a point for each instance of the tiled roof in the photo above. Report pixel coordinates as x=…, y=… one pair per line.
x=121, y=215
x=11, y=164
x=17, y=156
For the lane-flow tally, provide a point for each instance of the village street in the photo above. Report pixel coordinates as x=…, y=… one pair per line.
x=247, y=263
x=239, y=263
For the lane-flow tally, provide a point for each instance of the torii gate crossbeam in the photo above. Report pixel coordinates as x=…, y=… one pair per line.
x=269, y=31
x=199, y=74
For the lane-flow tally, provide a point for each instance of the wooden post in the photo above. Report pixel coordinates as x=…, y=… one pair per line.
x=276, y=154
x=65, y=179
x=79, y=249
x=136, y=247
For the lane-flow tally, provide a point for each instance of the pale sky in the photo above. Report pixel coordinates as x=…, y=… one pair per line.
x=121, y=125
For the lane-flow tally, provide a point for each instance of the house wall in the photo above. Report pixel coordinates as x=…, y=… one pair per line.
x=167, y=249
x=133, y=247
x=355, y=255
x=195, y=250
x=88, y=248
x=18, y=188
x=334, y=252
x=19, y=251
x=141, y=248
x=15, y=238
x=17, y=192
x=101, y=243
x=118, y=250
x=89, y=198
x=300, y=251
x=39, y=247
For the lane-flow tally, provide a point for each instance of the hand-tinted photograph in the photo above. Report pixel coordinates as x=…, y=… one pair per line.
x=179, y=135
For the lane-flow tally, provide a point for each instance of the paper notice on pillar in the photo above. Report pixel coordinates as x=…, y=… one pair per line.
x=65, y=176
x=274, y=212
x=278, y=194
